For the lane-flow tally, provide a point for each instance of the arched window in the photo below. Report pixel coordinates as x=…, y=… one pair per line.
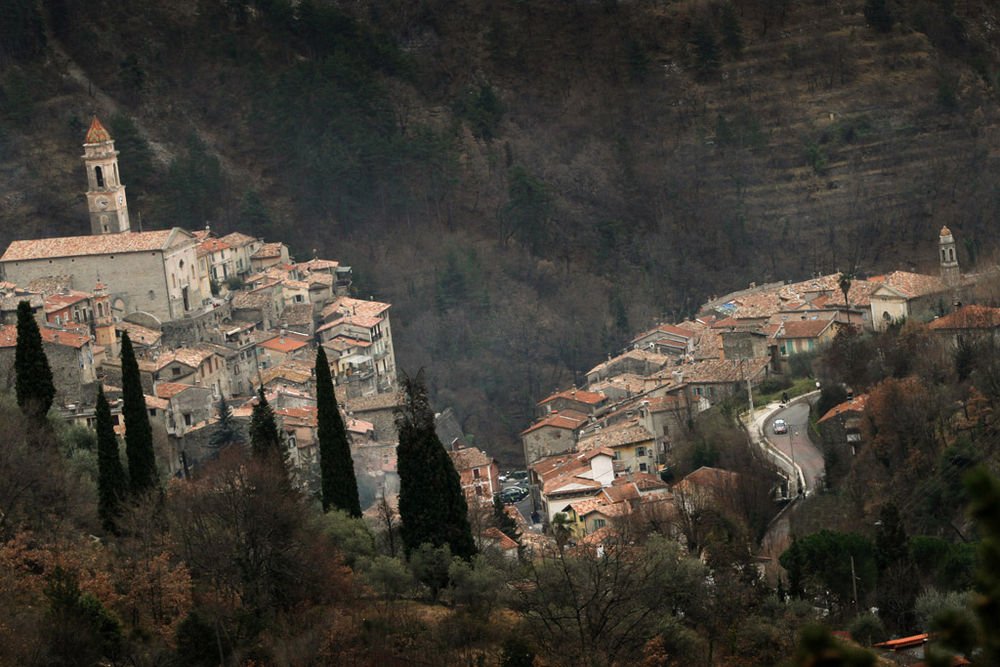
x=99, y=174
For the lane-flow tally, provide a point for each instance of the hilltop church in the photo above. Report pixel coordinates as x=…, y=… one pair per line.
x=150, y=272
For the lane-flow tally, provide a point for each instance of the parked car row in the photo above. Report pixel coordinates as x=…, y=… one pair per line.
x=514, y=476
x=513, y=494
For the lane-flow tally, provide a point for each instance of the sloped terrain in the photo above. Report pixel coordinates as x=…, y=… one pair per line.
x=528, y=183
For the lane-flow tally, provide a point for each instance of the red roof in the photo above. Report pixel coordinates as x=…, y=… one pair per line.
x=213, y=245
x=579, y=395
x=567, y=419
x=969, y=317
x=8, y=337
x=170, y=389
x=856, y=404
x=805, y=328
x=503, y=541
x=96, y=134
x=283, y=344
x=903, y=643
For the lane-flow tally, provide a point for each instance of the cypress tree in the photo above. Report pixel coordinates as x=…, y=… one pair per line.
x=138, y=434
x=265, y=442
x=432, y=506
x=226, y=432
x=33, y=377
x=340, y=487
x=111, y=482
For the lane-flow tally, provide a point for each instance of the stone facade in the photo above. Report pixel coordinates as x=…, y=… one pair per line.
x=152, y=272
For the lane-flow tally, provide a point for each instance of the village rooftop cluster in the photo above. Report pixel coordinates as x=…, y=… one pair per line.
x=596, y=453
x=210, y=317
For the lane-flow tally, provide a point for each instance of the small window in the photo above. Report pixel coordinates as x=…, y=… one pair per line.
x=475, y=473
x=187, y=418
x=99, y=175
x=176, y=371
x=152, y=295
x=600, y=523
x=643, y=467
x=152, y=412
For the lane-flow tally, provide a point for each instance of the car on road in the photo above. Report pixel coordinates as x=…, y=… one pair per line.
x=517, y=476
x=780, y=427
x=513, y=494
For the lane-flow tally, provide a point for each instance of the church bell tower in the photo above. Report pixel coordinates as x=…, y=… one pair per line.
x=105, y=192
x=950, y=272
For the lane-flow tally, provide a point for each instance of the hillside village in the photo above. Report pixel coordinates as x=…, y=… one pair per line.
x=598, y=452
x=211, y=318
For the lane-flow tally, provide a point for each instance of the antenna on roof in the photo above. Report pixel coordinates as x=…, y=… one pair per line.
x=138, y=217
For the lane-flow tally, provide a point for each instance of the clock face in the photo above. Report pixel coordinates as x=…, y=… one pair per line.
x=102, y=202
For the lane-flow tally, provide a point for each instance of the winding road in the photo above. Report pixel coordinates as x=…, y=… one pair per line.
x=798, y=453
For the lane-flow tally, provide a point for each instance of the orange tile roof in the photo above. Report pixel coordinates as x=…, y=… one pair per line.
x=60, y=300
x=804, y=328
x=189, y=356
x=567, y=419
x=237, y=239
x=139, y=334
x=723, y=370
x=154, y=402
x=503, y=541
x=345, y=305
x=579, y=395
x=170, y=389
x=341, y=343
x=269, y=250
x=284, y=344
x=968, y=317
x=360, y=321
x=96, y=134
x=903, y=642
x=67, y=338
x=317, y=264
x=912, y=285
x=616, y=435
x=77, y=246
x=213, y=245
x=469, y=457
x=298, y=416
x=708, y=478
x=856, y=404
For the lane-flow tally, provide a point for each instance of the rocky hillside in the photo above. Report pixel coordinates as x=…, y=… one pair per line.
x=529, y=182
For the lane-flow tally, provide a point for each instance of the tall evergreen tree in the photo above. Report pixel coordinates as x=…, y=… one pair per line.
x=111, y=482
x=138, y=434
x=265, y=441
x=33, y=377
x=227, y=431
x=432, y=506
x=340, y=487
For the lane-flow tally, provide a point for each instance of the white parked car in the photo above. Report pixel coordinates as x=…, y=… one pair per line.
x=780, y=427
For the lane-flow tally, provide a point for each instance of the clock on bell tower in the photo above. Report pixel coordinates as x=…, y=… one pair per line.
x=105, y=192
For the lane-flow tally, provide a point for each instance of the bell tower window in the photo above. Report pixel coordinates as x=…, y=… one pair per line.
x=99, y=174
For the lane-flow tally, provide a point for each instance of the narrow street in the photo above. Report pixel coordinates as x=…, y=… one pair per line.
x=799, y=453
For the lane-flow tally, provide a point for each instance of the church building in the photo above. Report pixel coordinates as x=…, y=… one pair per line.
x=154, y=272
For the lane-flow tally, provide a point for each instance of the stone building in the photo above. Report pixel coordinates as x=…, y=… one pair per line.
x=151, y=272
x=70, y=355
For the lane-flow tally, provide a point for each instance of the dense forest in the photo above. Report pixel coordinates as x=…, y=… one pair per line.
x=529, y=183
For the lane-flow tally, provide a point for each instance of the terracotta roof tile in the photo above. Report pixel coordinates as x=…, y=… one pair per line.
x=616, y=435
x=579, y=395
x=502, y=541
x=912, y=285
x=96, y=134
x=168, y=390
x=804, y=328
x=567, y=419
x=76, y=246
x=237, y=240
x=269, y=251
x=856, y=404
x=469, y=457
x=284, y=344
x=345, y=305
x=968, y=317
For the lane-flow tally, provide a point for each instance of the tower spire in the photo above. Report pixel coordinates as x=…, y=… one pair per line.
x=105, y=192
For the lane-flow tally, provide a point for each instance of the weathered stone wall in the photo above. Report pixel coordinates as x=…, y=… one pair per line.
x=136, y=279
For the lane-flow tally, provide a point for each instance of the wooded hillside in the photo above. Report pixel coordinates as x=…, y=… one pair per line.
x=529, y=183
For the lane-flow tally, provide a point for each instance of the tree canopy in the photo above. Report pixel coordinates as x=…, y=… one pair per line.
x=339, y=485
x=432, y=506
